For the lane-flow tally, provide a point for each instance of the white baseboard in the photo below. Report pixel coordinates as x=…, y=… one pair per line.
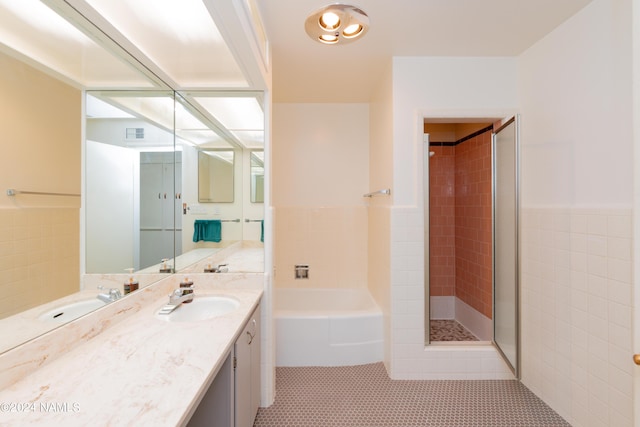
x=477, y=323
x=442, y=308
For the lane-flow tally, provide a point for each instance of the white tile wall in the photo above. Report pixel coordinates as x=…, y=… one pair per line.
x=577, y=312
x=407, y=357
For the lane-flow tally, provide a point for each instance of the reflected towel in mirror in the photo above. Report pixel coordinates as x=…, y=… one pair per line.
x=208, y=230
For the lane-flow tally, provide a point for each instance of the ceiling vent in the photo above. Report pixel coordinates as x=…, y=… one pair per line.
x=135, y=133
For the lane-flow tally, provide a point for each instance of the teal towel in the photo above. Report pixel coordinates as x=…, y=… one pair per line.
x=209, y=230
x=262, y=230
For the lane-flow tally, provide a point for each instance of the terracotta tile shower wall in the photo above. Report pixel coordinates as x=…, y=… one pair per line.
x=442, y=253
x=460, y=222
x=473, y=223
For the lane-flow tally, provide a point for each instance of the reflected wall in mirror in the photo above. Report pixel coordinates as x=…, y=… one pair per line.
x=130, y=185
x=257, y=176
x=41, y=122
x=216, y=176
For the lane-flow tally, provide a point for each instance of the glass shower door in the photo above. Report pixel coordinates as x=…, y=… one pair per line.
x=505, y=242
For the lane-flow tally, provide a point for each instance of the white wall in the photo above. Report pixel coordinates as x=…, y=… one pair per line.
x=111, y=238
x=434, y=87
x=443, y=87
x=576, y=103
x=379, y=208
x=577, y=150
x=321, y=154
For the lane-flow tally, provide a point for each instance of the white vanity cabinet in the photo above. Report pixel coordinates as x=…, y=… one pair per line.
x=247, y=372
x=233, y=398
x=217, y=405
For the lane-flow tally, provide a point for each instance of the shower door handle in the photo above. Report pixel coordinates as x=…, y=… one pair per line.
x=636, y=359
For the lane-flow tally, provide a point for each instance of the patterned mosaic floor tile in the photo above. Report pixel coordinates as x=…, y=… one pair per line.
x=449, y=330
x=364, y=396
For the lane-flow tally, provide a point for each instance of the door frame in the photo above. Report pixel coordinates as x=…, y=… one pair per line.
x=459, y=116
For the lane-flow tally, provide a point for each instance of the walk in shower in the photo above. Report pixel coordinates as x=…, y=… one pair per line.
x=471, y=250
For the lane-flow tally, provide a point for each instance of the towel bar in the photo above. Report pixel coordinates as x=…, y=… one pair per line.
x=13, y=192
x=386, y=191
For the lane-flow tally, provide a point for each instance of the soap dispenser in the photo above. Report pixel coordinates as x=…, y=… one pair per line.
x=131, y=285
x=186, y=283
x=164, y=267
x=209, y=268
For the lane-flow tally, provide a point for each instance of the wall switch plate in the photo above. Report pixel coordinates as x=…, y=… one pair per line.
x=197, y=210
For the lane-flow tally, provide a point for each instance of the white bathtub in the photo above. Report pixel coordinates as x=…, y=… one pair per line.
x=327, y=327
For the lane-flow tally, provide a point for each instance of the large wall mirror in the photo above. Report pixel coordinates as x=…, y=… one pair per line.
x=216, y=176
x=157, y=164
x=138, y=140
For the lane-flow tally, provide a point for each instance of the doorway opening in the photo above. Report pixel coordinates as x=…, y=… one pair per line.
x=470, y=191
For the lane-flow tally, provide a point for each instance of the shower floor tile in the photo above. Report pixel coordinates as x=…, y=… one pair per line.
x=364, y=396
x=449, y=330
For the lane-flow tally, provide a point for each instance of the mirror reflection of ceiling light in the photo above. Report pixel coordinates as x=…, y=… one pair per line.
x=179, y=36
x=30, y=29
x=337, y=24
x=242, y=116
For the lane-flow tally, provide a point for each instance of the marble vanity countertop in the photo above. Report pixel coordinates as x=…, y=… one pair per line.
x=142, y=371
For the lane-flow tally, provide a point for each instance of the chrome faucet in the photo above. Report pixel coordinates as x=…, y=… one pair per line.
x=176, y=298
x=181, y=295
x=113, y=295
x=221, y=268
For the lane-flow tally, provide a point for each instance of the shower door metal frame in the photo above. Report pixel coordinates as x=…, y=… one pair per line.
x=516, y=121
x=426, y=210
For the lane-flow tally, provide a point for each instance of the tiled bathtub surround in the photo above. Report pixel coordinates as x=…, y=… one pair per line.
x=577, y=312
x=332, y=241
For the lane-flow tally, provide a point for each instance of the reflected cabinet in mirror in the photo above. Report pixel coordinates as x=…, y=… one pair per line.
x=216, y=176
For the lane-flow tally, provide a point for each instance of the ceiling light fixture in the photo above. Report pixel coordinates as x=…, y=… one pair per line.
x=337, y=24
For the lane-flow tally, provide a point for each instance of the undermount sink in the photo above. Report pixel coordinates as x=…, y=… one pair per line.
x=201, y=308
x=71, y=311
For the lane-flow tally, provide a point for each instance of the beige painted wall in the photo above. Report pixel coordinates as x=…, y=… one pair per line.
x=320, y=172
x=40, y=118
x=379, y=210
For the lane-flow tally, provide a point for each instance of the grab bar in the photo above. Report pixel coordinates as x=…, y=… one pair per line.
x=14, y=192
x=386, y=191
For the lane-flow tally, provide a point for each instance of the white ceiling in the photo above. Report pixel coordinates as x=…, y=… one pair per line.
x=307, y=71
